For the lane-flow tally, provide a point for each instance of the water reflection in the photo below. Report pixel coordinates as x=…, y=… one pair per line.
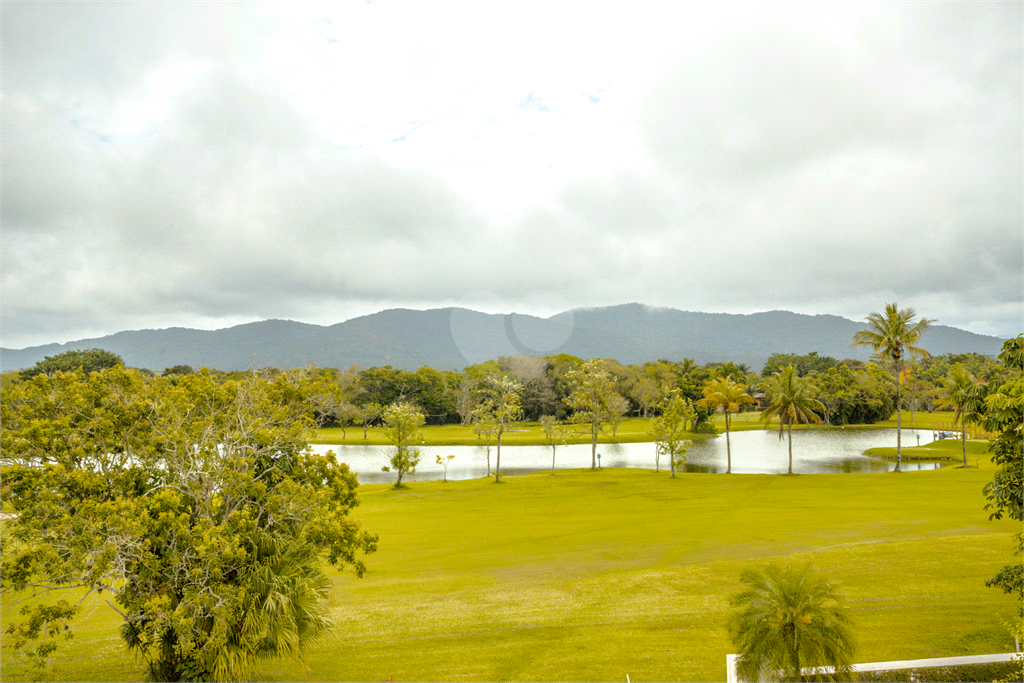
x=753, y=452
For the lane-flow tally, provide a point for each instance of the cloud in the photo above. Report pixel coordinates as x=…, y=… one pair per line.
x=207, y=164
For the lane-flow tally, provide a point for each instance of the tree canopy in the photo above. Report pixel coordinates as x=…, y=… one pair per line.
x=90, y=360
x=193, y=508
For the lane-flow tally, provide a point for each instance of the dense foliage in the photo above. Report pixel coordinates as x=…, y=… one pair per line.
x=1005, y=416
x=91, y=360
x=192, y=508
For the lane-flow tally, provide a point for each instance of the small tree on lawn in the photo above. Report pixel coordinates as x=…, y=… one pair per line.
x=593, y=392
x=485, y=427
x=368, y=414
x=402, y=422
x=554, y=433
x=670, y=428
x=504, y=405
x=446, y=460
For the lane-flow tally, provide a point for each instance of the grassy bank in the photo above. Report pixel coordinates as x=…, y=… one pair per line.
x=633, y=430
x=599, y=575
x=946, y=449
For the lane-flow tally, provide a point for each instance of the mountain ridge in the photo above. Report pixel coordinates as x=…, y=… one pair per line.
x=451, y=338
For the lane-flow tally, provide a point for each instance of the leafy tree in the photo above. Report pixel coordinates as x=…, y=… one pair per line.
x=485, y=427
x=893, y=335
x=555, y=434
x=503, y=404
x=726, y=394
x=963, y=396
x=91, y=360
x=804, y=365
x=670, y=428
x=177, y=370
x=367, y=414
x=446, y=460
x=791, y=399
x=402, y=422
x=197, y=507
x=593, y=390
x=789, y=619
x=1004, y=413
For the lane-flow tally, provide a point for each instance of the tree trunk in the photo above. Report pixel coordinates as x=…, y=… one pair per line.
x=899, y=422
x=497, y=465
x=488, y=457
x=364, y=431
x=963, y=438
x=552, y=458
x=728, y=448
x=672, y=464
x=593, y=446
x=657, y=458
x=789, y=428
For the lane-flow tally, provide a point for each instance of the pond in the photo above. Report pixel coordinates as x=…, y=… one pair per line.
x=753, y=452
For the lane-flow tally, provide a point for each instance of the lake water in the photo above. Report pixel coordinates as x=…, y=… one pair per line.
x=753, y=452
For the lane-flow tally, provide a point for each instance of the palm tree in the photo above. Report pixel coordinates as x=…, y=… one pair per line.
x=893, y=336
x=787, y=620
x=963, y=397
x=792, y=400
x=724, y=393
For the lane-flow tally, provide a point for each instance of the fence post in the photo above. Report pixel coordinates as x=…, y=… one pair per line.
x=730, y=669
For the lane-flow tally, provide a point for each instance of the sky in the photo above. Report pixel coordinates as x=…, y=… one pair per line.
x=206, y=164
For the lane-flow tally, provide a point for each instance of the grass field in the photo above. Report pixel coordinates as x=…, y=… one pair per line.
x=596, y=575
x=633, y=430
x=946, y=449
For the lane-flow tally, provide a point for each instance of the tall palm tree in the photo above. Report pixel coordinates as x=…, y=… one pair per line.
x=963, y=397
x=791, y=399
x=787, y=620
x=893, y=335
x=724, y=393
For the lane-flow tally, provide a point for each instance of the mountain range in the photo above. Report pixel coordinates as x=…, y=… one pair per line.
x=451, y=338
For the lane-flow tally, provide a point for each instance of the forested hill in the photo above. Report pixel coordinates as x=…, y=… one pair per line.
x=450, y=339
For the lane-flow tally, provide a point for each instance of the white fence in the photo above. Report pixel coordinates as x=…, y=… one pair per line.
x=731, y=677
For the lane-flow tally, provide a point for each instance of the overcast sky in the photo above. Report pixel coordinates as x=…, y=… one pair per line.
x=208, y=164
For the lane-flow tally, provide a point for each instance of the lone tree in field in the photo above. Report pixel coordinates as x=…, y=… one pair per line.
x=503, y=405
x=669, y=429
x=791, y=399
x=592, y=399
x=402, y=422
x=893, y=335
x=726, y=394
x=789, y=619
x=554, y=433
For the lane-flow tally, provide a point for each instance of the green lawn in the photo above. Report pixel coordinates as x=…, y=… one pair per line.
x=633, y=430
x=596, y=575
x=946, y=449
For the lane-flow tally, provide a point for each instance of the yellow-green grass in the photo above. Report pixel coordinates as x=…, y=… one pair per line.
x=633, y=430
x=945, y=449
x=596, y=575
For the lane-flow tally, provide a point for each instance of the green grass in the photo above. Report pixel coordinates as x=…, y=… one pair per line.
x=593, y=575
x=633, y=430
x=946, y=449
